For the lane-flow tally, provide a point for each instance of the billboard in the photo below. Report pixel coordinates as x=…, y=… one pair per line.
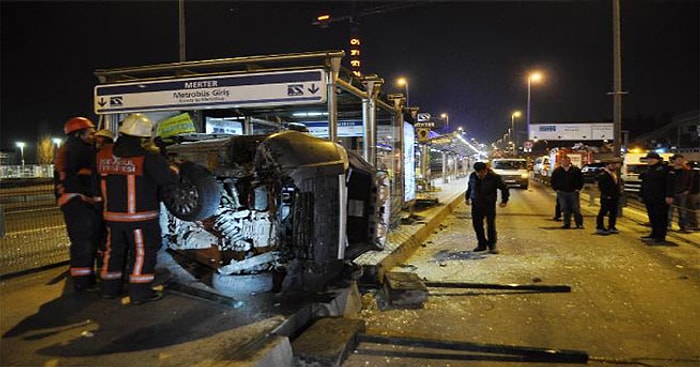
x=572, y=131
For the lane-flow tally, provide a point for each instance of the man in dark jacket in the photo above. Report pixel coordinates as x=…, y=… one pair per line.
x=682, y=184
x=481, y=195
x=610, y=187
x=131, y=178
x=77, y=194
x=567, y=181
x=657, y=193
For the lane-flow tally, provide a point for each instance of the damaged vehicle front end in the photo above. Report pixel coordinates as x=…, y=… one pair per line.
x=284, y=211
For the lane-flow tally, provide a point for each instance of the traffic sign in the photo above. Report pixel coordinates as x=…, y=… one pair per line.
x=221, y=91
x=424, y=116
x=422, y=134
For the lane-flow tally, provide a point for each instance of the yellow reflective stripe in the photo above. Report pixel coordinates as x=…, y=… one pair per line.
x=140, y=253
x=65, y=198
x=76, y=272
x=145, y=278
x=130, y=217
x=111, y=275
x=131, y=194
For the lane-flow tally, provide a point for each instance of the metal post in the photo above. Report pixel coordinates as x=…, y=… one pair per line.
x=181, y=28
x=617, y=76
x=333, y=100
x=529, y=82
x=369, y=117
x=445, y=179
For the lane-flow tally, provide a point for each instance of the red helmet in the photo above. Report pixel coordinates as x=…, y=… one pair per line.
x=77, y=123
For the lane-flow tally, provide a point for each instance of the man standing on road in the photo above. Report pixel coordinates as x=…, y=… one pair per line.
x=77, y=194
x=682, y=184
x=567, y=181
x=610, y=187
x=131, y=178
x=481, y=195
x=657, y=194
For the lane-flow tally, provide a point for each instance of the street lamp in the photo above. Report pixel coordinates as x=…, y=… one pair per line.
x=513, y=135
x=56, y=142
x=445, y=116
x=533, y=77
x=21, y=145
x=403, y=82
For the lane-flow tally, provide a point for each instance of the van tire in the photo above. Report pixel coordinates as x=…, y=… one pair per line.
x=195, y=196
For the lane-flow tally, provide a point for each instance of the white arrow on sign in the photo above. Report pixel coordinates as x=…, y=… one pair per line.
x=424, y=117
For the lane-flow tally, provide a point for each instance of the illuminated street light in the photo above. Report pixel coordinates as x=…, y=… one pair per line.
x=403, y=82
x=21, y=145
x=445, y=116
x=533, y=77
x=57, y=143
x=513, y=135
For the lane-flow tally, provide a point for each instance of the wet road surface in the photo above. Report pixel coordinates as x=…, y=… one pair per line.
x=630, y=304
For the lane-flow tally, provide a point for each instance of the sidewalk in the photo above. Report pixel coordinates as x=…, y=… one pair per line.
x=406, y=238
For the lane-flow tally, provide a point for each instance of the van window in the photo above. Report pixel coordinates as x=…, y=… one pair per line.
x=509, y=164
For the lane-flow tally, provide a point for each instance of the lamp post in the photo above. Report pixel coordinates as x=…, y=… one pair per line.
x=513, y=135
x=21, y=145
x=533, y=77
x=403, y=82
x=446, y=116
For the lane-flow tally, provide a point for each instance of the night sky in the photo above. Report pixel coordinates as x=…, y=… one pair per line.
x=469, y=59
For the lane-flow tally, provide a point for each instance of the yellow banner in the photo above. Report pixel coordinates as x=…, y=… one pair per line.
x=175, y=125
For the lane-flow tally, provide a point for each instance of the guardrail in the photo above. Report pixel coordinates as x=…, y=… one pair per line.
x=32, y=231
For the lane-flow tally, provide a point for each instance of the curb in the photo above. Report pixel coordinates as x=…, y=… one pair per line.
x=407, y=246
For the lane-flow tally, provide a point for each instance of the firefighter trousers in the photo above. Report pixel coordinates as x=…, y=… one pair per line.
x=83, y=223
x=137, y=242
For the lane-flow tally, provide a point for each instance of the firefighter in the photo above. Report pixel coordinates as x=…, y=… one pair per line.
x=77, y=194
x=131, y=177
x=103, y=137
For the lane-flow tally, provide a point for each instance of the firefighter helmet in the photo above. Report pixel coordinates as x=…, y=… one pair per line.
x=137, y=124
x=105, y=133
x=76, y=124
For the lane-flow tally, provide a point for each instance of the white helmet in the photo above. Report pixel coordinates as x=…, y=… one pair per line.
x=137, y=125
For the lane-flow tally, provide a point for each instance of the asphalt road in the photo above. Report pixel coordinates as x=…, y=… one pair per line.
x=630, y=304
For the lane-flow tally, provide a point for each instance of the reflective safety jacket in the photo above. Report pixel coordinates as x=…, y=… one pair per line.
x=74, y=173
x=130, y=179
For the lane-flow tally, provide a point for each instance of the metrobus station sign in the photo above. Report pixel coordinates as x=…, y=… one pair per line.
x=297, y=87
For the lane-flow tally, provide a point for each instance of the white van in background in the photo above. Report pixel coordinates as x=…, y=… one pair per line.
x=512, y=170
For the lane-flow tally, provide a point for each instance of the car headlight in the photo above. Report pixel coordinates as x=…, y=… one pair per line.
x=524, y=175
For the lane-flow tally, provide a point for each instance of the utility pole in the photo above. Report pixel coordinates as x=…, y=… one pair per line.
x=181, y=28
x=617, y=79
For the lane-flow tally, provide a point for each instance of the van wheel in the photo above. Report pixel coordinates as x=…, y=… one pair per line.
x=196, y=196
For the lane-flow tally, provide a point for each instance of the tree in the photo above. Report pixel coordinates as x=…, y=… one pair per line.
x=45, y=150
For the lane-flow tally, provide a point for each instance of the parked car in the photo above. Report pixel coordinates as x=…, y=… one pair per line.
x=512, y=170
x=258, y=208
x=591, y=170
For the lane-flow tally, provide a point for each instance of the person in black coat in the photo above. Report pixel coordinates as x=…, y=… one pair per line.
x=610, y=187
x=481, y=195
x=657, y=194
x=567, y=181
